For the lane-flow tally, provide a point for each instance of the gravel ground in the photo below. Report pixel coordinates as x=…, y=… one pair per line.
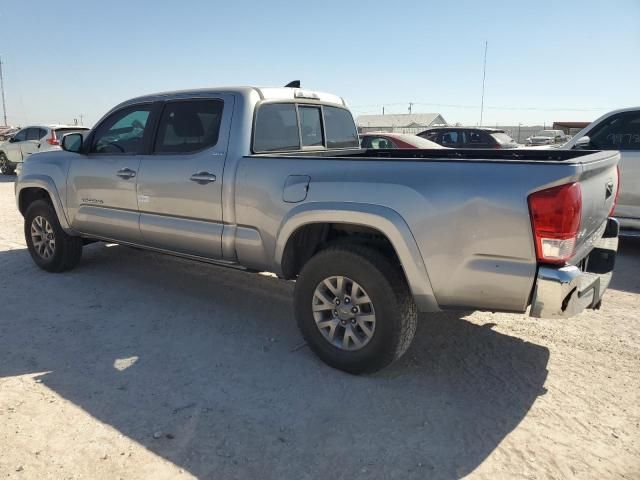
x=137, y=365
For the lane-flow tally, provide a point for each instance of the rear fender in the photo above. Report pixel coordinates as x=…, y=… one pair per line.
x=387, y=221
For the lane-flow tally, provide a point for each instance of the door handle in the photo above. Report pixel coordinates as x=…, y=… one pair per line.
x=203, y=177
x=126, y=173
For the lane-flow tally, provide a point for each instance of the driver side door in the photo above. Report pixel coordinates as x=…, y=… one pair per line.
x=102, y=199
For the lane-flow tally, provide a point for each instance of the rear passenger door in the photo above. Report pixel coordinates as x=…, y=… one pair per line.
x=180, y=183
x=32, y=144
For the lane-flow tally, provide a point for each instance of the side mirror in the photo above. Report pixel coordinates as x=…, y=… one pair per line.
x=582, y=142
x=72, y=142
x=13, y=140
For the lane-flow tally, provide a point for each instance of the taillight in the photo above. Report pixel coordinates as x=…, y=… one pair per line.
x=53, y=140
x=555, y=216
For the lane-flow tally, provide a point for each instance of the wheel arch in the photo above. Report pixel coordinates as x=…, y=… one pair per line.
x=36, y=187
x=315, y=218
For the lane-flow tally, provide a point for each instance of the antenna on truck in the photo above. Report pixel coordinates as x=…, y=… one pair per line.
x=294, y=84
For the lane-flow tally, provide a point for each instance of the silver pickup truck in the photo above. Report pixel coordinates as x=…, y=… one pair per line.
x=272, y=179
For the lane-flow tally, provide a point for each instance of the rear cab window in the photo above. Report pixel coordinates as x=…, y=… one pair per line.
x=297, y=126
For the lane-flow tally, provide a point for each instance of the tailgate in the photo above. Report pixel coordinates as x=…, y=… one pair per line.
x=599, y=185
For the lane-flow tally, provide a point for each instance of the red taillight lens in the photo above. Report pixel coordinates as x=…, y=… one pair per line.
x=53, y=140
x=555, y=216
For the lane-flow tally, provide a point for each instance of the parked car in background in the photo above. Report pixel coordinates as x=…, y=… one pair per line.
x=371, y=236
x=395, y=140
x=618, y=130
x=469, y=137
x=6, y=132
x=32, y=139
x=547, y=137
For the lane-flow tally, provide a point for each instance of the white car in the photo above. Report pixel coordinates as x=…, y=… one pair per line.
x=547, y=137
x=32, y=139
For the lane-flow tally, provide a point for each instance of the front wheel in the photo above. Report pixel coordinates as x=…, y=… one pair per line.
x=50, y=247
x=5, y=166
x=354, y=308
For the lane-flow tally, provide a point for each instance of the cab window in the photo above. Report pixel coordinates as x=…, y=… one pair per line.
x=311, y=126
x=188, y=126
x=122, y=132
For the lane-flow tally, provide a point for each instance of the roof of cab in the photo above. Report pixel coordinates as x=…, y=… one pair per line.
x=265, y=93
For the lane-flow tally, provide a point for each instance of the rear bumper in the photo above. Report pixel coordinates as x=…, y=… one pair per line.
x=563, y=292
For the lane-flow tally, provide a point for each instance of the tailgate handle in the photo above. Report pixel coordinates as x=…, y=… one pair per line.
x=609, y=191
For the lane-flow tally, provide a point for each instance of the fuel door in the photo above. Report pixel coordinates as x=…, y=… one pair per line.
x=296, y=188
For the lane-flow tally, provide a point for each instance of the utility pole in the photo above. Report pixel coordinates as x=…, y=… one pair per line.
x=484, y=74
x=4, y=105
x=410, y=107
x=519, y=125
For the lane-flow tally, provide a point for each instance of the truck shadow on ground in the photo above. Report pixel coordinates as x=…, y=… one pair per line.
x=7, y=178
x=212, y=359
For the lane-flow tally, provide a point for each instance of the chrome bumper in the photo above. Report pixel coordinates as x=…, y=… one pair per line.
x=563, y=292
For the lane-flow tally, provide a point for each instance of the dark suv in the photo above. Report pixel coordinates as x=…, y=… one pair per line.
x=469, y=137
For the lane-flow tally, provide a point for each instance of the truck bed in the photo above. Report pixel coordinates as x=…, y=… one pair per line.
x=467, y=209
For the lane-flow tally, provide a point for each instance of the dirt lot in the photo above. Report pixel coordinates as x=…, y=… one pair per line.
x=137, y=365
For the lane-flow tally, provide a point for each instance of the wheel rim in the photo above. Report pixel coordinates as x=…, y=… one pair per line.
x=4, y=168
x=343, y=313
x=43, y=237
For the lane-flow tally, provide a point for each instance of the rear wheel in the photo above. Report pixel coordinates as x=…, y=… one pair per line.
x=50, y=247
x=5, y=166
x=354, y=308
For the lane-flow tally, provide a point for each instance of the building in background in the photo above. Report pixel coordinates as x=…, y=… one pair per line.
x=570, y=128
x=400, y=123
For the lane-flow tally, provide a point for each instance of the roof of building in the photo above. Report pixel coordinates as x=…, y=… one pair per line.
x=571, y=124
x=398, y=120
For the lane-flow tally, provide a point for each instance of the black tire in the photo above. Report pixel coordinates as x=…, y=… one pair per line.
x=384, y=282
x=67, y=251
x=5, y=165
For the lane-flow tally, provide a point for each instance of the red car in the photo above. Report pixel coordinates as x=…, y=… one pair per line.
x=377, y=140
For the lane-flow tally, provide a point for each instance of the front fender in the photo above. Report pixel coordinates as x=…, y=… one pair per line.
x=46, y=183
x=387, y=221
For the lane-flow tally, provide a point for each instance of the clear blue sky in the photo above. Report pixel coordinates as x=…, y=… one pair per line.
x=547, y=60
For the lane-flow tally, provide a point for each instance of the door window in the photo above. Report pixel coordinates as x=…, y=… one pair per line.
x=33, y=134
x=475, y=139
x=381, y=142
x=450, y=138
x=21, y=136
x=122, y=132
x=620, y=132
x=310, y=126
x=188, y=126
